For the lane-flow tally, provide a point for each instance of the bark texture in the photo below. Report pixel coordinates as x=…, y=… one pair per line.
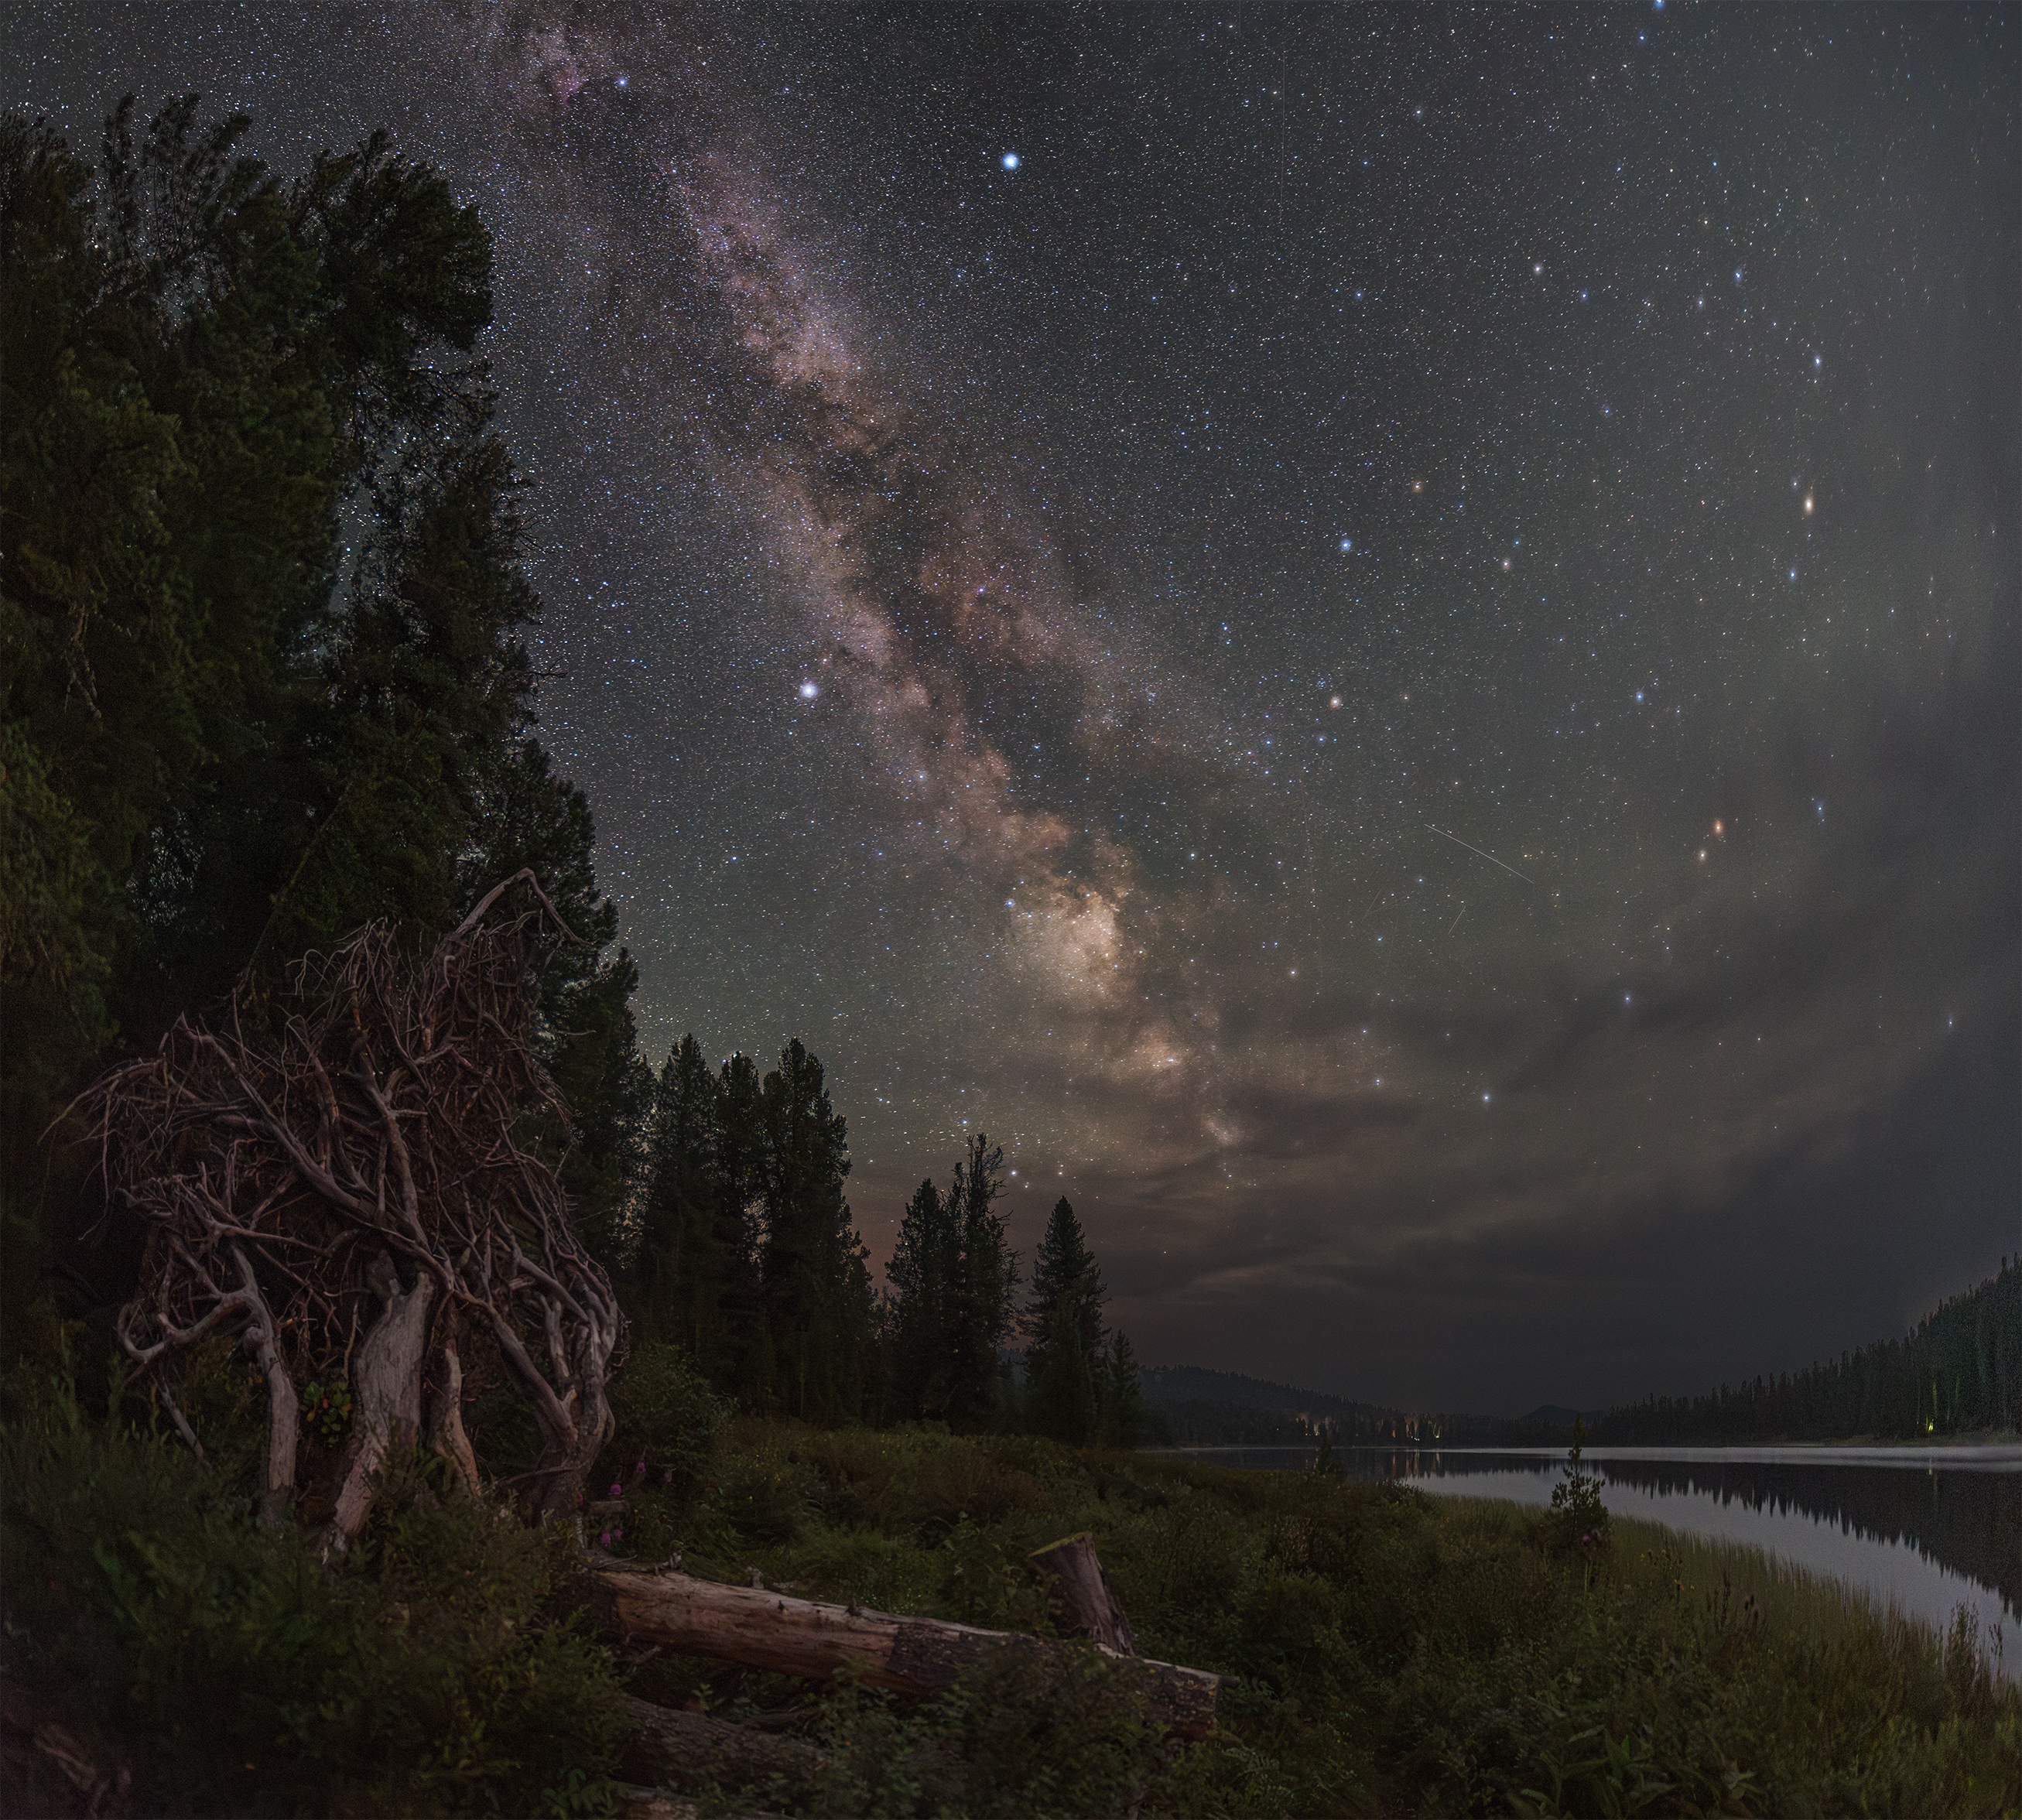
x=386, y=1396
x=368, y=1131
x=917, y=1656
x=1086, y=1601
x=689, y=1749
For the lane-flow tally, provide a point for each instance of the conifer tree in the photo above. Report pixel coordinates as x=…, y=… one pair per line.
x=814, y=1283
x=678, y=1271
x=984, y=1306
x=1067, y=1390
x=924, y=1270
x=953, y=1280
x=261, y=673
x=1121, y=1423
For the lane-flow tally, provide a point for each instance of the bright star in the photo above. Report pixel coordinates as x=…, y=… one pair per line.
x=808, y=692
x=1347, y=543
x=1010, y=161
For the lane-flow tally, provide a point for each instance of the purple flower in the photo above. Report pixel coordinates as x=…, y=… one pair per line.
x=604, y=1539
x=619, y=1534
x=617, y=1490
x=639, y=1472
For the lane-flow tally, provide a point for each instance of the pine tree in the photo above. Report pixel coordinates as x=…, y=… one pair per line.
x=677, y=1271
x=1063, y=1323
x=1122, y=1423
x=924, y=1270
x=815, y=1285
x=984, y=1306
x=953, y=1279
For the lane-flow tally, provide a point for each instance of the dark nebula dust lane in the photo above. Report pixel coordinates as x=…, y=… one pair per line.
x=1386, y=642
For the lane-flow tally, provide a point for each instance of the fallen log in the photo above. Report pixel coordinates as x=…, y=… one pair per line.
x=1083, y=1592
x=917, y=1656
x=636, y=1803
x=689, y=1750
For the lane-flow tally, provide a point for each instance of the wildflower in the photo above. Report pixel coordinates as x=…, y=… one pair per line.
x=619, y=1534
x=603, y=1541
x=639, y=1472
x=617, y=1490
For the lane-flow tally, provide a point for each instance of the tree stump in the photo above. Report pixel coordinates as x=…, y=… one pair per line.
x=1083, y=1592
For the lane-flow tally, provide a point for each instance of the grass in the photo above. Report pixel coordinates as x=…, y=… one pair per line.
x=1399, y=1653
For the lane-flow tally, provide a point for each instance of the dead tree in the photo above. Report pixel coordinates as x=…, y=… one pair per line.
x=915, y=1656
x=351, y=1195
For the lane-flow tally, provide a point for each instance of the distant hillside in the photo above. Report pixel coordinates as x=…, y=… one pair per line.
x=1558, y=1416
x=1166, y=1385
x=1960, y=1368
x=1188, y=1406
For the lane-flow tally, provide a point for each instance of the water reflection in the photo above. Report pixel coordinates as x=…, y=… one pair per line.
x=1929, y=1528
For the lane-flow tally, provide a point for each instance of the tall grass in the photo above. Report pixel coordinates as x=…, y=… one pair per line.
x=1398, y=1653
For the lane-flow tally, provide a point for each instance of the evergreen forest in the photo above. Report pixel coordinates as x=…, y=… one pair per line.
x=1959, y=1369
x=267, y=681
x=372, y=1307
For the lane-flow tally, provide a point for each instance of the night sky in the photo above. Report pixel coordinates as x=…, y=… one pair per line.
x=1386, y=640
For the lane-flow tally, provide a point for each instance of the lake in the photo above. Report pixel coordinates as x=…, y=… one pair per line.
x=1929, y=1528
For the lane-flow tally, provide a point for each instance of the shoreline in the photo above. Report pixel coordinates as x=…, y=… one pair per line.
x=1978, y=1456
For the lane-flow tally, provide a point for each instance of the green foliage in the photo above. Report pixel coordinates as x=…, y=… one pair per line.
x=232, y=1675
x=1004, y=1740
x=1577, y=1514
x=261, y=596
x=745, y=1253
x=669, y=1423
x=1063, y=1324
x=1399, y=1653
x=953, y=1280
x=327, y=1411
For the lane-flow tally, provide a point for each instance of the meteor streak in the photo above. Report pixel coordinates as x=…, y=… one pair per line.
x=1490, y=857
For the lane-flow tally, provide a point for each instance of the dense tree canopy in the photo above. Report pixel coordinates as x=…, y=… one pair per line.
x=744, y=1252
x=263, y=683
x=262, y=597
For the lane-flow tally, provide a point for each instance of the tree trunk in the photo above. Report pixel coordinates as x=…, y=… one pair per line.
x=691, y=1749
x=1086, y=1599
x=573, y=1413
x=277, y=1489
x=386, y=1397
x=799, y=1636
x=443, y=1404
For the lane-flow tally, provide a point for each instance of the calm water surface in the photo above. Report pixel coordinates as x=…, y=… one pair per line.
x=1929, y=1528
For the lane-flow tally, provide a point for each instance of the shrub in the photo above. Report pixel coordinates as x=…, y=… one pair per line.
x=233, y=1674
x=1579, y=1518
x=1007, y=1740
x=669, y=1422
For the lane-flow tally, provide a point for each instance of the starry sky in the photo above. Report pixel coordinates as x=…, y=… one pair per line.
x=1383, y=639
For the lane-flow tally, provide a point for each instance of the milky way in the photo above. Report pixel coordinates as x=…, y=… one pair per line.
x=1386, y=642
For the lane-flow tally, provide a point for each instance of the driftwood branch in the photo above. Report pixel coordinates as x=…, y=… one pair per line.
x=917, y=1656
